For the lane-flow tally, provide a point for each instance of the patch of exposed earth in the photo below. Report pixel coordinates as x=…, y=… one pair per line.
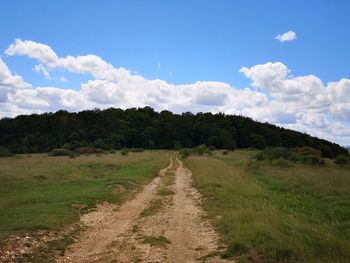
x=162, y=223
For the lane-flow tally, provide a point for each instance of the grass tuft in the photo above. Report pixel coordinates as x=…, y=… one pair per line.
x=154, y=207
x=156, y=241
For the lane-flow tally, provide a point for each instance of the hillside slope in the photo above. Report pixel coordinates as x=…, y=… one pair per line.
x=143, y=127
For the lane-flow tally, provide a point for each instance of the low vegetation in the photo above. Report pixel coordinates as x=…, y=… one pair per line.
x=342, y=160
x=305, y=155
x=154, y=207
x=156, y=241
x=277, y=210
x=41, y=192
x=124, y=151
x=61, y=152
x=4, y=152
x=198, y=150
x=88, y=150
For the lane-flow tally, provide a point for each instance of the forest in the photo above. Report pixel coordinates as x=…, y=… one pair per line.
x=145, y=128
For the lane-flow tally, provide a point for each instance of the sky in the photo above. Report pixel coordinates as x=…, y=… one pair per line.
x=283, y=62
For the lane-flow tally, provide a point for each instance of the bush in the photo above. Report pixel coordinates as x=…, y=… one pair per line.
x=274, y=153
x=312, y=160
x=211, y=147
x=124, y=151
x=4, y=152
x=137, y=150
x=185, y=152
x=88, y=150
x=201, y=149
x=308, y=151
x=61, y=152
x=341, y=160
x=67, y=146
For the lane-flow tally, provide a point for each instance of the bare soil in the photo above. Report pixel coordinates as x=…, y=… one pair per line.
x=174, y=229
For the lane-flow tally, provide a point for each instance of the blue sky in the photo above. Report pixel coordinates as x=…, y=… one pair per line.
x=183, y=42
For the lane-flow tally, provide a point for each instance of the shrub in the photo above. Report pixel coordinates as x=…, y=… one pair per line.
x=211, y=147
x=88, y=150
x=312, y=160
x=274, y=153
x=67, y=146
x=201, y=149
x=185, y=152
x=341, y=159
x=124, y=151
x=308, y=151
x=137, y=150
x=4, y=152
x=61, y=152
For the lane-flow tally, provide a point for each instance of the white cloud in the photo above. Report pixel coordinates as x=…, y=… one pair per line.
x=41, y=69
x=7, y=79
x=91, y=64
x=9, y=82
x=288, y=36
x=304, y=103
x=38, y=51
x=63, y=79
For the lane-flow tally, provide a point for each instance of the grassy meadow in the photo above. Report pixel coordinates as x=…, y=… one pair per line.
x=42, y=192
x=276, y=211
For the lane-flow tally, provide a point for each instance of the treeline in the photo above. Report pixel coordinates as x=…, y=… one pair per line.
x=143, y=127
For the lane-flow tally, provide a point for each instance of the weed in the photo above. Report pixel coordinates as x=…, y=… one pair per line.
x=156, y=241
x=154, y=207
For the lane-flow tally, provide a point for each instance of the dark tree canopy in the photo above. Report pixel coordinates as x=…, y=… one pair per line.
x=143, y=127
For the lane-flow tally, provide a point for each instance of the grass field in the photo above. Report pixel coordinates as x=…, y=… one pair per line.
x=41, y=192
x=269, y=213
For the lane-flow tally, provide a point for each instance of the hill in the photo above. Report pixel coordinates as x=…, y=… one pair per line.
x=143, y=127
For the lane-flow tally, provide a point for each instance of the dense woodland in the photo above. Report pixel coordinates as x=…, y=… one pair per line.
x=115, y=128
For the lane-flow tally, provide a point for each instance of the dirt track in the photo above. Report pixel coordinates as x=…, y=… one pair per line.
x=163, y=223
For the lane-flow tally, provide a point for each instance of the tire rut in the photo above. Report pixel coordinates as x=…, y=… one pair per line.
x=163, y=223
x=108, y=225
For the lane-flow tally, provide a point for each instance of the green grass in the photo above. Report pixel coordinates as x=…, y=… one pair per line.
x=268, y=212
x=156, y=241
x=165, y=192
x=169, y=180
x=154, y=207
x=41, y=192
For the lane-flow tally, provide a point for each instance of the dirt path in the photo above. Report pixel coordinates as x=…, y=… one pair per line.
x=163, y=223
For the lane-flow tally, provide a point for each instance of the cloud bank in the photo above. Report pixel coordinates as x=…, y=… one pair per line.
x=303, y=103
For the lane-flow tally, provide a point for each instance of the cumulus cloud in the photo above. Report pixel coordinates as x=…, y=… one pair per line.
x=32, y=49
x=90, y=64
x=288, y=36
x=303, y=103
x=10, y=80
